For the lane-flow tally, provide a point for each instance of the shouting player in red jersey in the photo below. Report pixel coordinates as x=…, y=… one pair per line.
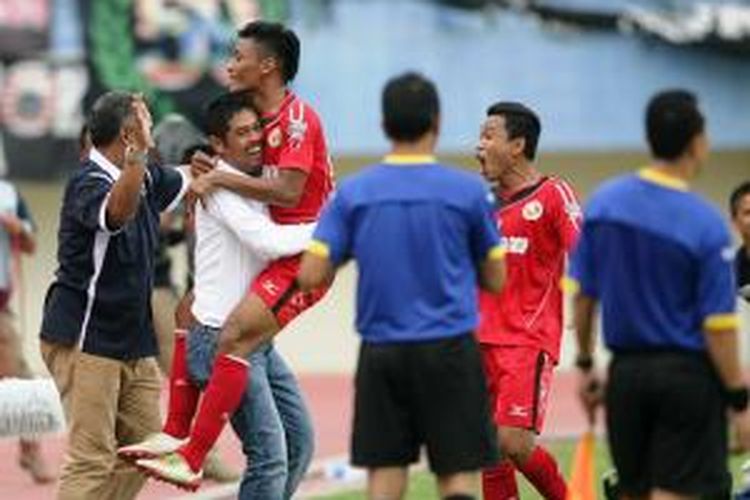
x=520, y=329
x=296, y=183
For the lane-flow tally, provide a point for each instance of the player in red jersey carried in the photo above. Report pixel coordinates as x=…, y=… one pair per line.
x=296, y=183
x=520, y=329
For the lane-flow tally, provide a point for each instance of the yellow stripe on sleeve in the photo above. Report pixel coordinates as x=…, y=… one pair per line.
x=319, y=248
x=496, y=253
x=569, y=285
x=721, y=322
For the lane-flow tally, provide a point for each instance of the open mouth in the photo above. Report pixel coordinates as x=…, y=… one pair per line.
x=481, y=158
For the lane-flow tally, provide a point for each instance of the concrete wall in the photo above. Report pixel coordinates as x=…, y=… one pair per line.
x=323, y=340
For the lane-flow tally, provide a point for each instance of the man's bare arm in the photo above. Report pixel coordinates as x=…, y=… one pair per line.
x=492, y=271
x=315, y=271
x=18, y=229
x=284, y=190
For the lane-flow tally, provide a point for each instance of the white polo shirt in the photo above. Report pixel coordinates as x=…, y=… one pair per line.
x=235, y=240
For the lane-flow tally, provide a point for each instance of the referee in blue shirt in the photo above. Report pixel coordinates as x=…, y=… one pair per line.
x=657, y=259
x=97, y=336
x=422, y=236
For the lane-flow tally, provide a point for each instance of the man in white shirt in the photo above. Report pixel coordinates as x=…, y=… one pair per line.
x=235, y=240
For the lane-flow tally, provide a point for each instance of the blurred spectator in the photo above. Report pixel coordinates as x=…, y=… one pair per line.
x=739, y=206
x=16, y=237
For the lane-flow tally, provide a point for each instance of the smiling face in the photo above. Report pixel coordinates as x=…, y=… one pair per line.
x=496, y=152
x=248, y=65
x=242, y=145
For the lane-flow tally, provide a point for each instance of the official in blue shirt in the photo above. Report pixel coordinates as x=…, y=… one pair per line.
x=657, y=259
x=739, y=208
x=422, y=235
x=97, y=335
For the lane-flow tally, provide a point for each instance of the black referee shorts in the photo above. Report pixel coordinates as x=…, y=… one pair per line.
x=415, y=393
x=667, y=424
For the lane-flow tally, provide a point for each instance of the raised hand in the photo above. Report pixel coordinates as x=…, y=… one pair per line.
x=200, y=164
x=203, y=186
x=140, y=139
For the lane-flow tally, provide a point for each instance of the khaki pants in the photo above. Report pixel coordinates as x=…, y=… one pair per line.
x=109, y=403
x=12, y=361
x=163, y=304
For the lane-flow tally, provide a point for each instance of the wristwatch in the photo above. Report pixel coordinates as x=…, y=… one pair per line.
x=136, y=156
x=584, y=362
x=738, y=398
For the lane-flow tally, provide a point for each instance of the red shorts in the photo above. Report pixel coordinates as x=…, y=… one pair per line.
x=519, y=381
x=277, y=287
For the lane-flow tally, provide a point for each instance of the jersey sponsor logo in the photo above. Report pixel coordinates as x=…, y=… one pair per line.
x=515, y=244
x=532, y=211
x=518, y=411
x=274, y=138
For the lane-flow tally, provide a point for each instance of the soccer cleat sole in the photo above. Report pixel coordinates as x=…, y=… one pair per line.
x=189, y=487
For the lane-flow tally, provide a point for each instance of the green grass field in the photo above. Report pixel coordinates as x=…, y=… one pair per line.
x=422, y=485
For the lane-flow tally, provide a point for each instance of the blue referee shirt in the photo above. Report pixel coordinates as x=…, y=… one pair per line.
x=101, y=295
x=659, y=260
x=417, y=231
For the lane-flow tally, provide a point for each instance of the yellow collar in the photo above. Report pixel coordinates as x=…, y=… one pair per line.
x=409, y=159
x=657, y=177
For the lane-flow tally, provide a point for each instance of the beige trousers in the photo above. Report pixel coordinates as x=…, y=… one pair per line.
x=12, y=361
x=109, y=403
x=163, y=305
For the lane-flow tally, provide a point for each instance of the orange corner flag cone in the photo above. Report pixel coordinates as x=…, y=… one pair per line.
x=582, y=484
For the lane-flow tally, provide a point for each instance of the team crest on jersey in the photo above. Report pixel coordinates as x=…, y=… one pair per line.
x=532, y=210
x=274, y=137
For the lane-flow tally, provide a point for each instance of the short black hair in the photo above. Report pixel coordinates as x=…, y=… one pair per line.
x=410, y=107
x=734, y=200
x=278, y=41
x=520, y=121
x=108, y=115
x=84, y=136
x=191, y=150
x=672, y=121
x=221, y=110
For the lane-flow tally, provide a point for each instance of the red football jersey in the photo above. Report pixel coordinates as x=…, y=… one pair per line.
x=294, y=139
x=539, y=225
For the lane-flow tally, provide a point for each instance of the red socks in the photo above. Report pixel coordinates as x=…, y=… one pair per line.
x=541, y=471
x=183, y=395
x=220, y=399
x=499, y=482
